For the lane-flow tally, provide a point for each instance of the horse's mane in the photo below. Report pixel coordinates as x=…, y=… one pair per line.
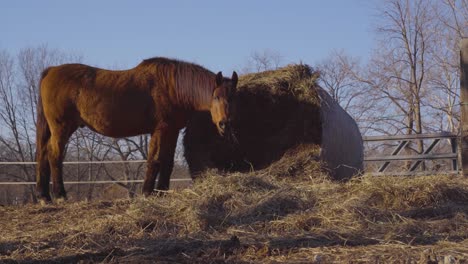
x=194, y=84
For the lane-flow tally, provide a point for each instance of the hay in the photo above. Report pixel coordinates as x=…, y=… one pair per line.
x=255, y=218
x=276, y=114
x=274, y=111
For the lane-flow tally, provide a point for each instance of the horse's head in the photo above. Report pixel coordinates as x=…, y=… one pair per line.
x=222, y=95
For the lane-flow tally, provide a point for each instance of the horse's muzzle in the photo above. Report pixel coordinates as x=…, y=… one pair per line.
x=221, y=132
x=223, y=127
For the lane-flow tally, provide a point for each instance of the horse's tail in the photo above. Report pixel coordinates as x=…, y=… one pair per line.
x=42, y=127
x=42, y=138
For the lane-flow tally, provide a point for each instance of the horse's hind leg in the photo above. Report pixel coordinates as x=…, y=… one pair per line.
x=43, y=174
x=153, y=164
x=56, y=150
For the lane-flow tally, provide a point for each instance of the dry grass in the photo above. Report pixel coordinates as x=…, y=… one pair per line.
x=296, y=80
x=260, y=217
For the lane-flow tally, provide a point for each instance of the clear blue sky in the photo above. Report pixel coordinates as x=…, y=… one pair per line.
x=217, y=34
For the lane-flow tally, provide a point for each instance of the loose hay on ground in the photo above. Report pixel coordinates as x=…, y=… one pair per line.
x=253, y=217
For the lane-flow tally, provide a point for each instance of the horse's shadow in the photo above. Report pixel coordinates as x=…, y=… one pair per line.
x=6, y=248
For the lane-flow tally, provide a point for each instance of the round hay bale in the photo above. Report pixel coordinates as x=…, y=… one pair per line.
x=276, y=113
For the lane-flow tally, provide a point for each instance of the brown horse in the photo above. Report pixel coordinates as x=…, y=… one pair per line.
x=156, y=97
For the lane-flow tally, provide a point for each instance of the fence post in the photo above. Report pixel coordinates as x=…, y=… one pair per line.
x=464, y=104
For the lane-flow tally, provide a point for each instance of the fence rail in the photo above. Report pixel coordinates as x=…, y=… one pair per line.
x=411, y=137
x=387, y=159
x=89, y=182
x=78, y=163
x=412, y=157
x=74, y=162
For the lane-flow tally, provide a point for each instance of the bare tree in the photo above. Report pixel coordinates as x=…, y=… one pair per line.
x=134, y=148
x=340, y=77
x=337, y=78
x=19, y=80
x=444, y=79
x=14, y=136
x=263, y=61
x=399, y=68
x=407, y=32
x=454, y=16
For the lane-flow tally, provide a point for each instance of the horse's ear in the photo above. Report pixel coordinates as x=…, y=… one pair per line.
x=219, y=79
x=234, y=79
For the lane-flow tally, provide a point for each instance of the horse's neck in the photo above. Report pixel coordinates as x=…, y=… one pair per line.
x=194, y=93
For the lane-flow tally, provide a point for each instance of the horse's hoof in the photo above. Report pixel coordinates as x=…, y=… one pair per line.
x=44, y=201
x=60, y=196
x=157, y=193
x=161, y=193
x=60, y=200
x=147, y=194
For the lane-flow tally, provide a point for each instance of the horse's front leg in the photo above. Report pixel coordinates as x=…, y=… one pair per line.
x=160, y=159
x=166, y=157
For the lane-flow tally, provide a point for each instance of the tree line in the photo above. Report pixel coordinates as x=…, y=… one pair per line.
x=410, y=83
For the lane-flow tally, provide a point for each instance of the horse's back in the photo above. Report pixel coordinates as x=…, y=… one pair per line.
x=68, y=73
x=112, y=103
x=62, y=82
